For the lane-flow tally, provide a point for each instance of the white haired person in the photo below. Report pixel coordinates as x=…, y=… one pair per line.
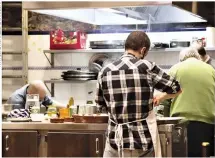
x=196, y=102
x=18, y=98
x=203, y=54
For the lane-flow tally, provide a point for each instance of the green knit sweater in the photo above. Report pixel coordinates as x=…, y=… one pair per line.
x=197, y=100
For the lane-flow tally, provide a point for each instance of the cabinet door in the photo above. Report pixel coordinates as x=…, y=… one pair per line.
x=19, y=143
x=70, y=144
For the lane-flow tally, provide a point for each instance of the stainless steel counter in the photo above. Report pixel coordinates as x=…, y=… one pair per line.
x=53, y=126
x=46, y=125
x=170, y=135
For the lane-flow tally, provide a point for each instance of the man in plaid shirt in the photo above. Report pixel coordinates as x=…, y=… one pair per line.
x=125, y=88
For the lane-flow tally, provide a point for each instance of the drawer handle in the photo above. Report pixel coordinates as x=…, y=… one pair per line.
x=6, y=139
x=97, y=145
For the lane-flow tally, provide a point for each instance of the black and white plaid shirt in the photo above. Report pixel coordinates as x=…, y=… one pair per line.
x=125, y=88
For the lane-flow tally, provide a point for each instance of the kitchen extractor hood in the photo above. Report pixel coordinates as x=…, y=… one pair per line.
x=201, y=8
x=150, y=14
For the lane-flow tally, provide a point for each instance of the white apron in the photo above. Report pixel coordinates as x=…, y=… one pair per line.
x=153, y=129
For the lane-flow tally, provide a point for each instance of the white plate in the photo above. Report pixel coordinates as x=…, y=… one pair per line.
x=19, y=119
x=37, y=117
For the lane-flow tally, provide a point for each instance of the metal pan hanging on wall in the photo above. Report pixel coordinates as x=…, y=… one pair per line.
x=79, y=75
x=78, y=79
x=78, y=72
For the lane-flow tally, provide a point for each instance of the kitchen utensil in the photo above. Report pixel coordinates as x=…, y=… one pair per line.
x=179, y=44
x=95, y=67
x=91, y=119
x=64, y=112
x=158, y=45
x=79, y=75
x=169, y=120
x=77, y=79
x=32, y=101
x=111, y=44
x=79, y=72
x=96, y=61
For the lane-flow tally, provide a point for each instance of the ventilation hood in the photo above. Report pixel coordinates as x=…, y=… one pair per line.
x=147, y=14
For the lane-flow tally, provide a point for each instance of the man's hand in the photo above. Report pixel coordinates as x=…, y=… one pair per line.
x=164, y=96
x=157, y=100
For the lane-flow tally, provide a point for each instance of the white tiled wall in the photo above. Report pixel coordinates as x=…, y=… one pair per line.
x=38, y=43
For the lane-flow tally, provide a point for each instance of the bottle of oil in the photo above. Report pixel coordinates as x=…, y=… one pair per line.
x=70, y=106
x=205, y=149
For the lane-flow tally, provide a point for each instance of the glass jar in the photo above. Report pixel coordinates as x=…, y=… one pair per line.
x=64, y=113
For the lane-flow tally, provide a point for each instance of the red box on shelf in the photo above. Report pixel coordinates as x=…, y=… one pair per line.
x=67, y=40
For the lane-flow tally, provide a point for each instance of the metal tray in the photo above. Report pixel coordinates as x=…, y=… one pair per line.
x=19, y=119
x=169, y=120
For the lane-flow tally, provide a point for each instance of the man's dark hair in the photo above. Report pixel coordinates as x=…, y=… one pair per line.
x=202, y=51
x=137, y=40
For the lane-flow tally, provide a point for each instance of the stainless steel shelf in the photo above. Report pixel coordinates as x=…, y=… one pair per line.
x=66, y=81
x=12, y=4
x=11, y=53
x=11, y=76
x=179, y=49
x=114, y=50
x=85, y=51
x=11, y=29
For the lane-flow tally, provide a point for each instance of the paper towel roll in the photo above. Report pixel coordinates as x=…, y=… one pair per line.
x=210, y=37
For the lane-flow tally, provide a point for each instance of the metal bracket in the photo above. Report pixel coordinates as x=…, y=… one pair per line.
x=51, y=62
x=47, y=88
x=48, y=59
x=51, y=91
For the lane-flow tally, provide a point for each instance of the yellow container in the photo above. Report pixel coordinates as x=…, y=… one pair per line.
x=64, y=112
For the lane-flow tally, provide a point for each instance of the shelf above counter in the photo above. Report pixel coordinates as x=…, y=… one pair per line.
x=84, y=51
x=67, y=81
x=12, y=76
x=114, y=50
x=11, y=53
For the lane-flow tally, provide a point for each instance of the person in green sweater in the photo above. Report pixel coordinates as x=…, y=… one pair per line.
x=197, y=101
